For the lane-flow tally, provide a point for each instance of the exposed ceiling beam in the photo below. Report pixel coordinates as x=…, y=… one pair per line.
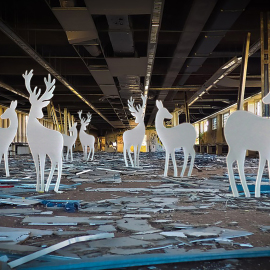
x=222, y=72
x=29, y=50
x=198, y=16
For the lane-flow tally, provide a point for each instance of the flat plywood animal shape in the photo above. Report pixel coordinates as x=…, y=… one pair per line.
x=183, y=135
x=86, y=139
x=43, y=141
x=7, y=134
x=247, y=131
x=134, y=137
x=69, y=141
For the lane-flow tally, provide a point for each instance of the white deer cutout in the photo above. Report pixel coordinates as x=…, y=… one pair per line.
x=70, y=140
x=43, y=141
x=86, y=139
x=7, y=134
x=247, y=131
x=134, y=137
x=183, y=135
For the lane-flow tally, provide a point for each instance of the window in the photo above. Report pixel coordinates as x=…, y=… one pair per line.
x=225, y=118
x=205, y=125
x=197, y=133
x=258, y=107
x=214, y=123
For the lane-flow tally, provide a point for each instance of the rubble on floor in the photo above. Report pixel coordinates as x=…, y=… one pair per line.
x=139, y=209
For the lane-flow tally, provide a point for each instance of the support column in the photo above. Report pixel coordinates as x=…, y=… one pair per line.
x=19, y=131
x=187, y=109
x=1, y=120
x=243, y=74
x=219, y=138
x=24, y=129
x=175, y=119
x=69, y=121
x=65, y=121
x=265, y=61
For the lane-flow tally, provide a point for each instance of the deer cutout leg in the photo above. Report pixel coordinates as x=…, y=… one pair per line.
x=241, y=166
x=59, y=167
x=268, y=162
x=6, y=164
x=175, y=173
x=35, y=158
x=185, y=162
x=84, y=158
x=130, y=158
x=93, y=152
x=90, y=150
x=67, y=153
x=71, y=154
x=53, y=164
x=259, y=176
x=166, y=163
x=135, y=155
x=192, y=154
x=125, y=155
x=42, y=169
x=138, y=159
x=230, y=159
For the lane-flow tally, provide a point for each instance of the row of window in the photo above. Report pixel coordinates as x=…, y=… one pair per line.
x=257, y=110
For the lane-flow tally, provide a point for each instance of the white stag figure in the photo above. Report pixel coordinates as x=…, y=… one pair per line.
x=183, y=135
x=135, y=136
x=70, y=140
x=247, y=131
x=7, y=134
x=43, y=141
x=86, y=139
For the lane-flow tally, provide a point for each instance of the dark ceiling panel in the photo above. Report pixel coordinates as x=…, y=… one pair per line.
x=127, y=66
x=119, y=7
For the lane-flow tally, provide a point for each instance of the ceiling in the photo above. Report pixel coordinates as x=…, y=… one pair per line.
x=101, y=52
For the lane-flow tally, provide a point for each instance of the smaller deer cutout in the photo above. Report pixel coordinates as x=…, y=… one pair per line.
x=7, y=134
x=247, y=131
x=86, y=139
x=69, y=141
x=134, y=137
x=183, y=135
x=43, y=141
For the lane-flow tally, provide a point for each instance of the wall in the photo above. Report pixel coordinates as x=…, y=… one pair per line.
x=213, y=136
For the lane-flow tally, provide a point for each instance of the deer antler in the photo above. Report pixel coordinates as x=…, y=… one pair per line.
x=80, y=114
x=33, y=95
x=140, y=108
x=131, y=107
x=89, y=116
x=48, y=94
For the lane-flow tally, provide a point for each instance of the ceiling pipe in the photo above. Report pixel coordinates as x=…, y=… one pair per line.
x=29, y=50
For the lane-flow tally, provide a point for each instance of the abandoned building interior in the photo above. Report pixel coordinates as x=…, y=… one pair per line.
x=113, y=65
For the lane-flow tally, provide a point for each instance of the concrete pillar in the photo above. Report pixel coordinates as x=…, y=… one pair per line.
x=1, y=121
x=175, y=119
x=24, y=128
x=265, y=61
x=219, y=137
x=19, y=132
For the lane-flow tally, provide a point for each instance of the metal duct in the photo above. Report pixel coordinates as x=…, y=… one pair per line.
x=28, y=49
x=123, y=46
x=122, y=40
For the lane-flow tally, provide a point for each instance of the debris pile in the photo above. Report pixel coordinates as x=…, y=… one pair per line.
x=108, y=210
